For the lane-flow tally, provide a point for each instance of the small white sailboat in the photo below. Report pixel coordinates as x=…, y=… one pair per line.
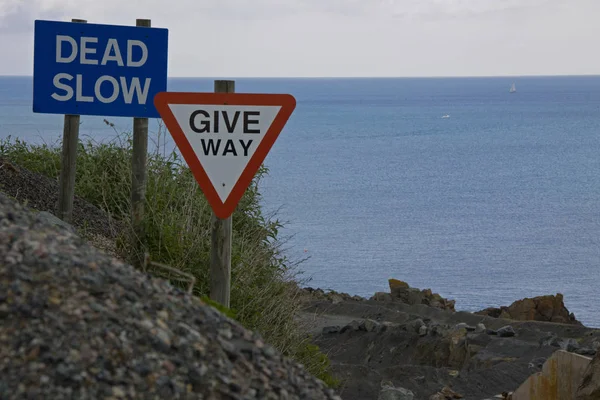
x=513, y=88
x=446, y=116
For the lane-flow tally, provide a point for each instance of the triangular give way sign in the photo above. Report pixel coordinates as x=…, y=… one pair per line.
x=224, y=138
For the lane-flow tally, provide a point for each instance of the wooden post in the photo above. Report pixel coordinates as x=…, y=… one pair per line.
x=220, y=252
x=138, y=181
x=66, y=180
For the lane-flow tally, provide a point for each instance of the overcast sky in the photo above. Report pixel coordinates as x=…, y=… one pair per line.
x=238, y=38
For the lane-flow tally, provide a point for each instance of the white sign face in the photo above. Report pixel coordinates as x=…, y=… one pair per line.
x=224, y=138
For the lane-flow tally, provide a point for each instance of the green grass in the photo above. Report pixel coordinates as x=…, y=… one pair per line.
x=177, y=233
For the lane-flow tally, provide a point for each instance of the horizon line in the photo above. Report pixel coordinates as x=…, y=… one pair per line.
x=359, y=76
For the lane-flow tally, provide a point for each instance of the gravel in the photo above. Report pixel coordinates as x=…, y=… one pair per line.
x=76, y=323
x=41, y=193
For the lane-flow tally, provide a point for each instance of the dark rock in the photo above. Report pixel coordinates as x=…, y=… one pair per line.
x=506, y=331
x=491, y=332
x=537, y=362
x=352, y=326
x=369, y=325
x=381, y=296
x=331, y=329
x=570, y=345
x=463, y=325
x=584, y=351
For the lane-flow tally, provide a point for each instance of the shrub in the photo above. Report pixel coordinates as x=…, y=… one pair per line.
x=264, y=286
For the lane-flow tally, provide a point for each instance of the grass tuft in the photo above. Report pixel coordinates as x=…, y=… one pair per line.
x=264, y=292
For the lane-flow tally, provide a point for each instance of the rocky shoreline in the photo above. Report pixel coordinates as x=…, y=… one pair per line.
x=412, y=344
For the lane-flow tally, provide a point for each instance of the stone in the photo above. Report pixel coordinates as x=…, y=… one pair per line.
x=570, y=345
x=369, y=325
x=549, y=308
x=446, y=394
x=480, y=328
x=395, y=393
x=331, y=329
x=506, y=331
x=589, y=389
x=417, y=324
x=423, y=330
x=585, y=351
x=400, y=290
x=463, y=325
x=381, y=296
x=415, y=296
x=537, y=362
x=352, y=326
x=396, y=284
x=450, y=394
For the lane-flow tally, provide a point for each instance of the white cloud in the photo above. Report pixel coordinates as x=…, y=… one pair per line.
x=338, y=37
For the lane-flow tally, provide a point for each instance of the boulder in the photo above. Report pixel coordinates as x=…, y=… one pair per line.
x=589, y=389
x=381, y=296
x=506, y=331
x=331, y=329
x=352, y=326
x=542, y=308
x=401, y=291
x=369, y=325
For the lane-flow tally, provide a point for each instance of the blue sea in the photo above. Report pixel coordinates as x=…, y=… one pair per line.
x=497, y=201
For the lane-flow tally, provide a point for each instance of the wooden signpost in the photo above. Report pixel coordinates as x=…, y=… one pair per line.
x=106, y=70
x=111, y=70
x=224, y=137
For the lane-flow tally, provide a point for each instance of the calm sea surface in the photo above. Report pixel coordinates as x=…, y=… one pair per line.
x=498, y=201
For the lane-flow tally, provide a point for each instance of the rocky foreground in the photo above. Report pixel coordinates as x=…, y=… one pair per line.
x=78, y=324
x=410, y=344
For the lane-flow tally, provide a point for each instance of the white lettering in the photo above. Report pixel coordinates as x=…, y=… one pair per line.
x=59, y=85
x=115, y=84
x=79, y=89
x=86, y=50
x=135, y=87
x=140, y=62
x=59, y=56
x=112, y=44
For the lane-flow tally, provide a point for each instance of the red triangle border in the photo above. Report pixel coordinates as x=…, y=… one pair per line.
x=221, y=209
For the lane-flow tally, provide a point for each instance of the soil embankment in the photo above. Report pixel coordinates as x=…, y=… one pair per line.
x=77, y=323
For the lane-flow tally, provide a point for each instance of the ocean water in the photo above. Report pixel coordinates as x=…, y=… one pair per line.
x=498, y=201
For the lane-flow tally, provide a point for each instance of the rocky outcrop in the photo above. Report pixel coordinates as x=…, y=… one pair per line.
x=543, y=308
x=590, y=386
x=401, y=291
x=330, y=295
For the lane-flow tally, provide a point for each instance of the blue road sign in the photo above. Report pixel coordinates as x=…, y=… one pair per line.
x=92, y=69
